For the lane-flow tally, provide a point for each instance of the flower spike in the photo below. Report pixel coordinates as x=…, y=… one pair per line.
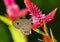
x=13, y=10
x=37, y=17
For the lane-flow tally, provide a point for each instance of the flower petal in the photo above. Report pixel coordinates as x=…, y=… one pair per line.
x=13, y=11
x=8, y=2
x=51, y=15
x=23, y=12
x=32, y=8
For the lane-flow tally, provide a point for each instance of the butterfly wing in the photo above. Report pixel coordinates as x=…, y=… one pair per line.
x=23, y=25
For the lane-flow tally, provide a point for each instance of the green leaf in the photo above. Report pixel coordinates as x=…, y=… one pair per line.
x=53, y=39
x=16, y=34
x=38, y=31
x=6, y=20
x=40, y=40
x=5, y=35
x=45, y=28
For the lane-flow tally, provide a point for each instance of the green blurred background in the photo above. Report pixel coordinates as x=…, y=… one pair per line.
x=46, y=6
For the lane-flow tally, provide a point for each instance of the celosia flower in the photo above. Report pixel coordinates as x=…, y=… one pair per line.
x=37, y=16
x=13, y=10
x=46, y=38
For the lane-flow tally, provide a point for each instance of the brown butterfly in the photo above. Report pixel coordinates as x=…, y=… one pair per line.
x=23, y=25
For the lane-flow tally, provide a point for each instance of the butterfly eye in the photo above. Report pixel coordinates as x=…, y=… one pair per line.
x=17, y=23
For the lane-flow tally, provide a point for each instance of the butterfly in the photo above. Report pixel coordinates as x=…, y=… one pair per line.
x=23, y=25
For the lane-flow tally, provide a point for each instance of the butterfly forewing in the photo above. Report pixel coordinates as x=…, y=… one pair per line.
x=23, y=25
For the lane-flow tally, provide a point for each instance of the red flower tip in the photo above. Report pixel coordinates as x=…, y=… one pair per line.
x=46, y=38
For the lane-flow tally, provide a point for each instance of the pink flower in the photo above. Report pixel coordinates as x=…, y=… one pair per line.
x=13, y=9
x=37, y=17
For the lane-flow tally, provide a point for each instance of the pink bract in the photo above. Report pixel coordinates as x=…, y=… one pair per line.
x=37, y=17
x=13, y=10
